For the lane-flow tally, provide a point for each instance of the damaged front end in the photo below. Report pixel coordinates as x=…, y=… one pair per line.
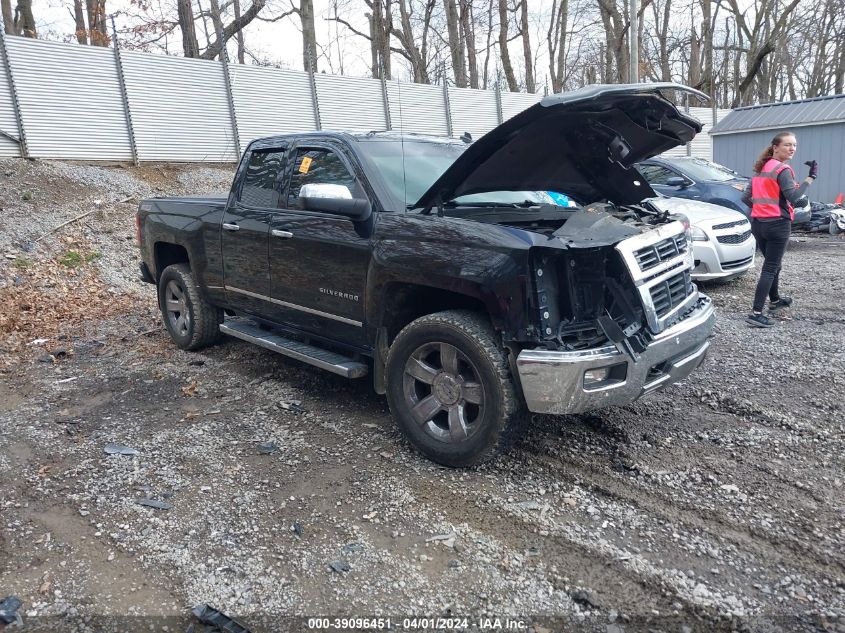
x=617, y=313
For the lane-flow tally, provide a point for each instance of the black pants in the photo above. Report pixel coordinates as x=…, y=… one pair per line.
x=772, y=238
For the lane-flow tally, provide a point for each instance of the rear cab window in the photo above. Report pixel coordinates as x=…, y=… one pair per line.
x=260, y=185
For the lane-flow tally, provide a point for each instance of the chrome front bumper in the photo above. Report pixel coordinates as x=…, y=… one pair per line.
x=553, y=382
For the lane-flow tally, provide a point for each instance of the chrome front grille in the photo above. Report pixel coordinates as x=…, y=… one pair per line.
x=664, y=250
x=728, y=225
x=671, y=293
x=733, y=239
x=659, y=262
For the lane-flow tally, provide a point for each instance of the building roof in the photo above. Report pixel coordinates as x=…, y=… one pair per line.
x=817, y=111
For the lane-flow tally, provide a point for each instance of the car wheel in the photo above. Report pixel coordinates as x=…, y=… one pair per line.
x=450, y=389
x=190, y=319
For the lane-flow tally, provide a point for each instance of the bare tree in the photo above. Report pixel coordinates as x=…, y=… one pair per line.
x=504, y=54
x=190, y=46
x=79, y=20
x=456, y=43
x=227, y=32
x=24, y=21
x=526, y=46
x=468, y=36
x=615, y=29
x=761, y=36
x=8, y=21
x=556, y=40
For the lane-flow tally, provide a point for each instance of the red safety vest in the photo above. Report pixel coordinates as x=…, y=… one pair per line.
x=765, y=191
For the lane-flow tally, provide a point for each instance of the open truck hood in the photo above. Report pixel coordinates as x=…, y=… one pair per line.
x=581, y=143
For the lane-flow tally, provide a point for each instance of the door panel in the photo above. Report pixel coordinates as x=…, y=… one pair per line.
x=245, y=232
x=246, y=270
x=320, y=273
x=318, y=261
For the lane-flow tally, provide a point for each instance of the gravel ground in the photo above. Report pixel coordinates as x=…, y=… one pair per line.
x=716, y=505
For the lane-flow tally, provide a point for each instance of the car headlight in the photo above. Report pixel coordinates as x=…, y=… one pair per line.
x=739, y=187
x=698, y=235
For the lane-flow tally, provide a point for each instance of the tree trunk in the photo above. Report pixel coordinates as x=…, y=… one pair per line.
x=309, y=35
x=8, y=21
x=526, y=48
x=79, y=20
x=456, y=49
x=24, y=23
x=694, y=60
x=556, y=38
x=416, y=55
x=489, y=41
x=468, y=35
x=236, y=5
x=217, y=21
x=504, y=55
x=707, y=80
x=615, y=27
x=190, y=46
x=97, y=35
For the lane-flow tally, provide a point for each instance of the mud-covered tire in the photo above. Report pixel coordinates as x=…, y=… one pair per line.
x=192, y=322
x=450, y=389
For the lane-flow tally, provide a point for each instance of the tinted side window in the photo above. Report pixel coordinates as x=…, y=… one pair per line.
x=655, y=174
x=259, y=187
x=313, y=166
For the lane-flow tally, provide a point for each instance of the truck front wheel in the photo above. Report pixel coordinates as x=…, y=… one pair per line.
x=189, y=318
x=450, y=389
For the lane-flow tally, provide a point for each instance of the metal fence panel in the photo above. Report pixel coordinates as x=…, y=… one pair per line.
x=417, y=108
x=180, y=111
x=350, y=103
x=70, y=100
x=8, y=123
x=271, y=101
x=515, y=102
x=473, y=111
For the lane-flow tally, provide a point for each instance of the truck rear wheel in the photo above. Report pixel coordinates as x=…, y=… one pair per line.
x=450, y=389
x=190, y=319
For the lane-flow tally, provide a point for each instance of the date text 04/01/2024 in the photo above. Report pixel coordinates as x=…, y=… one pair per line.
x=417, y=623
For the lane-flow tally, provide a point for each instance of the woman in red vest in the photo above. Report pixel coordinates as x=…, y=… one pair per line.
x=772, y=194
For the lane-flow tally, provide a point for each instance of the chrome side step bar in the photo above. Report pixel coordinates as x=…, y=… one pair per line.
x=248, y=330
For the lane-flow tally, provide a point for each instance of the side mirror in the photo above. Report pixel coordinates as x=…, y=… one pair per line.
x=334, y=199
x=677, y=181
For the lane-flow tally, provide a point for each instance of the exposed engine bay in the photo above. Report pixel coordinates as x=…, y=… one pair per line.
x=584, y=291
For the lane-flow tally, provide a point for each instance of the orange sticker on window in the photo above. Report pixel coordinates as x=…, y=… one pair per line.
x=305, y=165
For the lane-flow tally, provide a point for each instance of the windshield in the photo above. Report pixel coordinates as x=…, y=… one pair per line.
x=424, y=162
x=702, y=169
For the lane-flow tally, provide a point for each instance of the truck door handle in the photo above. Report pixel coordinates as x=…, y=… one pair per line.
x=284, y=234
x=231, y=227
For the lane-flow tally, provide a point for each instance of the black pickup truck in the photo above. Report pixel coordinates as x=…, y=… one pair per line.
x=450, y=270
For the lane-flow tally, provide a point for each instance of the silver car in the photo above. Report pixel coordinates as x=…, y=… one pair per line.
x=722, y=244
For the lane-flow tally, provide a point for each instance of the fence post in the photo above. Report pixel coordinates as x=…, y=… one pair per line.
x=386, y=101
x=24, y=148
x=314, y=100
x=230, y=97
x=121, y=78
x=446, y=104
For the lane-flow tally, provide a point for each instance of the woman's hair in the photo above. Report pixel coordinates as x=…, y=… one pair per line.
x=766, y=154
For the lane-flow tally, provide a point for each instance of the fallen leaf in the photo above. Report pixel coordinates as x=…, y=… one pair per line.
x=190, y=390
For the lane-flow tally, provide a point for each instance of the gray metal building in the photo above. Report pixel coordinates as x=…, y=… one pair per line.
x=819, y=125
